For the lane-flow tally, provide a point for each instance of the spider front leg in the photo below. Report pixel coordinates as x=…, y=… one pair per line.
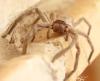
x=83, y=19
x=46, y=19
x=48, y=33
x=42, y=15
x=89, y=42
x=76, y=63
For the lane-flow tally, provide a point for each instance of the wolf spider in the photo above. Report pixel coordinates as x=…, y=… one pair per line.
x=61, y=27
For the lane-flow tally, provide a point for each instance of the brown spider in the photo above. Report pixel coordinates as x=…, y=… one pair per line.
x=58, y=26
x=63, y=28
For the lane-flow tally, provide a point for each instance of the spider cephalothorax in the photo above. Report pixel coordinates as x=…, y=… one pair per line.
x=59, y=26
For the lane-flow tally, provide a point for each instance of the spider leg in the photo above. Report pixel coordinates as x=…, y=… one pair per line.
x=9, y=29
x=83, y=19
x=89, y=42
x=46, y=19
x=33, y=37
x=53, y=16
x=13, y=24
x=42, y=15
x=45, y=25
x=24, y=43
x=48, y=33
x=76, y=62
x=66, y=37
x=59, y=54
x=33, y=29
x=24, y=47
x=12, y=40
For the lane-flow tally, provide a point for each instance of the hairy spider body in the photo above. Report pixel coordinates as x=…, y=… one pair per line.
x=59, y=23
x=61, y=27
